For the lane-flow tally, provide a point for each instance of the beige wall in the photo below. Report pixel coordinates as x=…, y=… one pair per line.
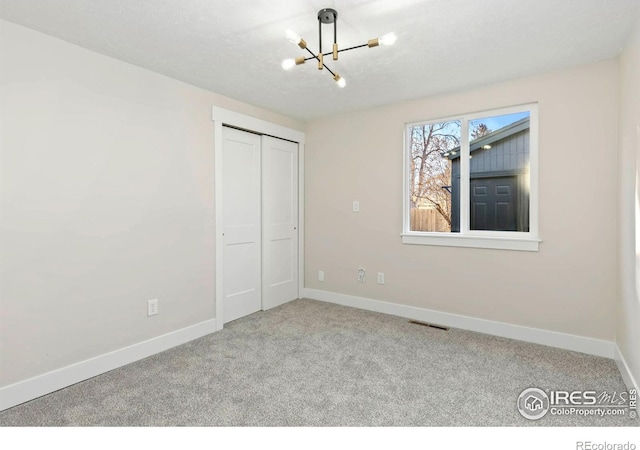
x=106, y=190
x=628, y=310
x=106, y=202
x=568, y=286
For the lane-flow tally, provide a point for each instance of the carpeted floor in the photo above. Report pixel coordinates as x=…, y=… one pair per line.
x=310, y=363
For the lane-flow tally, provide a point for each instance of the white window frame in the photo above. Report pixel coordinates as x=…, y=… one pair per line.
x=503, y=240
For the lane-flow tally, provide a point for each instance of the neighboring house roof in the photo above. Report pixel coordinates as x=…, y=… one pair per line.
x=489, y=139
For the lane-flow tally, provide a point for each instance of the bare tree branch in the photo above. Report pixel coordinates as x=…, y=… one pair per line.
x=430, y=171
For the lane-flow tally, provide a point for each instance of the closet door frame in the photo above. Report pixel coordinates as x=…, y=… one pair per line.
x=223, y=117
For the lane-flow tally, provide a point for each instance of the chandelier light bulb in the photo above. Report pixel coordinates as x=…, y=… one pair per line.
x=388, y=39
x=288, y=64
x=341, y=82
x=293, y=37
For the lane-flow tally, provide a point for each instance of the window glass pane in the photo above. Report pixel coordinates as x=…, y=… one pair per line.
x=499, y=173
x=432, y=176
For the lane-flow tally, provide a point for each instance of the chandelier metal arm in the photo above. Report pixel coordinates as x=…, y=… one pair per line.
x=316, y=57
x=319, y=37
x=339, y=51
x=353, y=48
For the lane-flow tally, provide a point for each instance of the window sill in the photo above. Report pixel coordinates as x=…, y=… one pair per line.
x=457, y=240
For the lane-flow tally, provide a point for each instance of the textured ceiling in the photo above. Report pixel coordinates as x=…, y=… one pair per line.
x=235, y=47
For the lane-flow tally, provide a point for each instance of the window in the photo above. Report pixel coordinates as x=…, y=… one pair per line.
x=471, y=180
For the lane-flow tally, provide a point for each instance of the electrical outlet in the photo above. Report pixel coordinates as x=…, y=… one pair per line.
x=356, y=206
x=380, y=277
x=362, y=275
x=152, y=307
x=320, y=275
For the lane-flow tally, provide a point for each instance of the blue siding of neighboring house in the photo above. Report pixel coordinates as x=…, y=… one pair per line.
x=507, y=157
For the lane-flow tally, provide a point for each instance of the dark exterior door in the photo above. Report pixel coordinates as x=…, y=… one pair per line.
x=494, y=203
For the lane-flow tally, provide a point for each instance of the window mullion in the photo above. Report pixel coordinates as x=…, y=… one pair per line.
x=464, y=176
x=406, y=205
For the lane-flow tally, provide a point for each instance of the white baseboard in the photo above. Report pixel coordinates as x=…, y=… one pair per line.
x=535, y=335
x=623, y=367
x=31, y=388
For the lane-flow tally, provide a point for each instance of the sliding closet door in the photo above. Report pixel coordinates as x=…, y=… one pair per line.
x=279, y=221
x=241, y=168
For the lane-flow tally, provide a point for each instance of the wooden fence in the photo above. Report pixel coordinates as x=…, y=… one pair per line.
x=428, y=220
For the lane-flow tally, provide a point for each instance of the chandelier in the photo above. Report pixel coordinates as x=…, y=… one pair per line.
x=328, y=16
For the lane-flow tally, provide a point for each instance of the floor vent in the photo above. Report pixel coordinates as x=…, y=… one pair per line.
x=430, y=325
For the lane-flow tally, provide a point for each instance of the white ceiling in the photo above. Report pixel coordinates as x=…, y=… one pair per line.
x=235, y=47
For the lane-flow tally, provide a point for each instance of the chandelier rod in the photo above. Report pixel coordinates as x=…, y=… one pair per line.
x=314, y=56
x=341, y=50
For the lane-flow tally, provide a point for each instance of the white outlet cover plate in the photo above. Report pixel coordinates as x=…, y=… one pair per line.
x=152, y=307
